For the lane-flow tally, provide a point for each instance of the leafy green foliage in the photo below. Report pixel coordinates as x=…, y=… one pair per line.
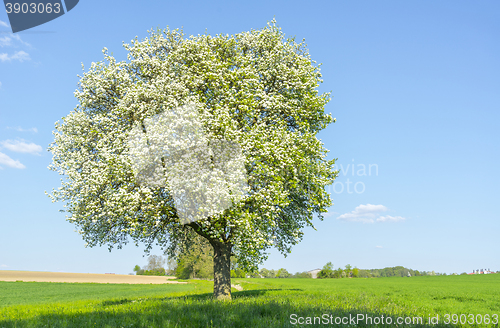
x=304, y=274
x=237, y=273
x=196, y=261
x=327, y=271
x=156, y=272
x=265, y=273
x=397, y=271
x=283, y=273
x=155, y=267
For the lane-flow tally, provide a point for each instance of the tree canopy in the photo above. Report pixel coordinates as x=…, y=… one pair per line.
x=256, y=89
x=155, y=266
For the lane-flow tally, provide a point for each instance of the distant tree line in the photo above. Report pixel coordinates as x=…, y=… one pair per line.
x=196, y=262
x=328, y=271
x=155, y=267
x=397, y=271
x=281, y=273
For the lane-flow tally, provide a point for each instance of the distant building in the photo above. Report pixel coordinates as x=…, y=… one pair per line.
x=482, y=271
x=314, y=273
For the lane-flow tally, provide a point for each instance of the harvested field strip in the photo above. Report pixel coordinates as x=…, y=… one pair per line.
x=83, y=277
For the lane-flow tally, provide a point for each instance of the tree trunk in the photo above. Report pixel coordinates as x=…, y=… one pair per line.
x=222, y=270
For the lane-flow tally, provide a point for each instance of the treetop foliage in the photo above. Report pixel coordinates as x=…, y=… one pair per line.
x=256, y=88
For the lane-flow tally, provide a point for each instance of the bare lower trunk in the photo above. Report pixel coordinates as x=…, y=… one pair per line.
x=222, y=271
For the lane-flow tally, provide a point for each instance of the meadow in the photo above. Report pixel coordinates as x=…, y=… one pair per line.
x=261, y=303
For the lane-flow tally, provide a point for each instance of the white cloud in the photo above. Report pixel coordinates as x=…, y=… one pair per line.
x=6, y=160
x=21, y=56
x=20, y=129
x=5, y=41
x=18, y=55
x=378, y=247
x=8, y=40
x=369, y=214
x=19, y=146
x=4, y=266
x=363, y=213
x=389, y=218
x=0, y=84
x=2, y=23
x=18, y=38
x=14, y=40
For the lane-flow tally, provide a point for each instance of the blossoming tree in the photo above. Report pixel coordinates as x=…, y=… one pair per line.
x=254, y=93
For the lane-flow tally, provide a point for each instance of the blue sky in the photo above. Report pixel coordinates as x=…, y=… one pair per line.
x=416, y=94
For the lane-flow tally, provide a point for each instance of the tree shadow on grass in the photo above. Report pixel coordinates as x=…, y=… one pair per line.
x=267, y=308
x=199, y=297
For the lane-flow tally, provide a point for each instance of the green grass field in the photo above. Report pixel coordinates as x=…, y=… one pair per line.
x=263, y=303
